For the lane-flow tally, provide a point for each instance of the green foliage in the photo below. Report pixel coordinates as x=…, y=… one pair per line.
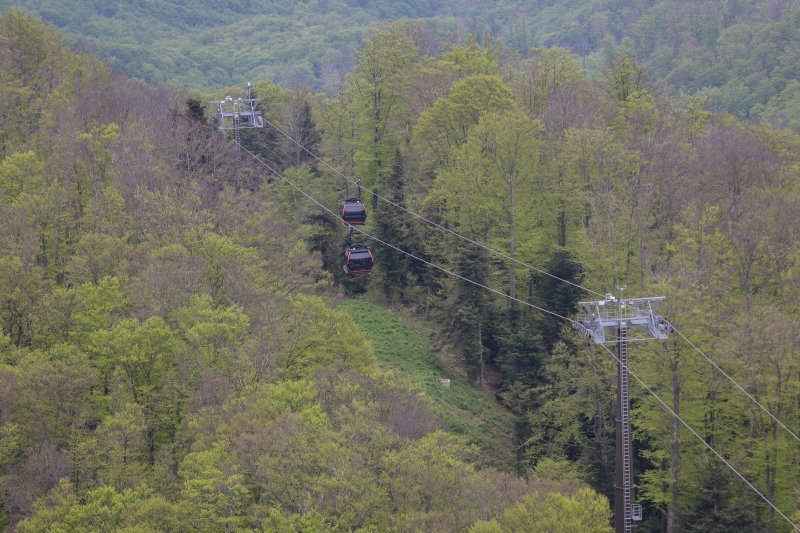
x=583, y=511
x=57, y=392
x=443, y=127
x=716, y=508
x=213, y=334
x=741, y=55
x=97, y=256
x=213, y=494
x=158, y=327
x=290, y=397
x=379, y=78
x=141, y=353
x=556, y=295
x=30, y=49
x=312, y=522
x=392, y=226
x=470, y=318
x=575, y=427
x=11, y=444
x=122, y=448
x=319, y=336
x=97, y=307
x=103, y=509
x=427, y=474
x=470, y=59
x=20, y=288
x=623, y=78
x=154, y=320
x=19, y=173
x=220, y=254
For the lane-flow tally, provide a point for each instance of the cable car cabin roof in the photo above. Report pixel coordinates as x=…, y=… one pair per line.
x=358, y=259
x=354, y=212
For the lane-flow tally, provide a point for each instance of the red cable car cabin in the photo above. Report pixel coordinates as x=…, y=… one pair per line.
x=354, y=212
x=358, y=259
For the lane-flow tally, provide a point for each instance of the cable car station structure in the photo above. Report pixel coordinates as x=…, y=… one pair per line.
x=237, y=114
x=622, y=314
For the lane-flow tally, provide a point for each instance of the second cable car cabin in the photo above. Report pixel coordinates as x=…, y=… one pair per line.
x=358, y=259
x=354, y=212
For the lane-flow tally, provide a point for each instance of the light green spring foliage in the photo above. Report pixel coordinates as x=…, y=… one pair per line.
x=379, y=79
x=312, y=522
x=104, y=509
x=215, y=333
x=319, y=336
x=583, y=511
x=162, y=368
x=443, y=127
x=19, y=173
x=213, y=489
x=98, y=307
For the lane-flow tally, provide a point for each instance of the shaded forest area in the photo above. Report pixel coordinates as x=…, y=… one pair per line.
x=177, y=295
x=739, y=55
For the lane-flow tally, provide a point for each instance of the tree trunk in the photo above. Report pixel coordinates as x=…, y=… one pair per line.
x=428, y=304
x=5, y=148
x=512, y=241
x=481, y=377
x=672, y=516
x=151, y=447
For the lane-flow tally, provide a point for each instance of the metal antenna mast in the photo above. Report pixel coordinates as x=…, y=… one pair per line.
x=623, y=314
x=237, y=114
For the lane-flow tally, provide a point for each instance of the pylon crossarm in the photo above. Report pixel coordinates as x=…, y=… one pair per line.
x=231, y=110
x=601, y=314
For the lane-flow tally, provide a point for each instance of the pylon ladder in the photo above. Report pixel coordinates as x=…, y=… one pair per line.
x=237, y=135
x=625, y=428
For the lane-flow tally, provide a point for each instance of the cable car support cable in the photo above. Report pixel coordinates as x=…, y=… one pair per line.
x=701, y=439
x=431, y=222
x=519, y=262
x=744, y=391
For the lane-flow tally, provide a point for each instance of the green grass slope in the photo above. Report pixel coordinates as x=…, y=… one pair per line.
x=402, y=345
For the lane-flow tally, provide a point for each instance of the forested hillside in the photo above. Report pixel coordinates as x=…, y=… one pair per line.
x=740, y=55
x=173, y=353
x=608, y=184
x=168, y=360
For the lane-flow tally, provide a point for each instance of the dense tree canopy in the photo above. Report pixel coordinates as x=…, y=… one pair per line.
x=170, y=357
x=608, y=183
x=738, y=55
x=171, y=350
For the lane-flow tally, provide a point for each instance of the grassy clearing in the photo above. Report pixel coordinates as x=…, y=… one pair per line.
x=403, y=345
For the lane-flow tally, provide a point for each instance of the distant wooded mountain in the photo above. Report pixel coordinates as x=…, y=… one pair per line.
x=741, y=55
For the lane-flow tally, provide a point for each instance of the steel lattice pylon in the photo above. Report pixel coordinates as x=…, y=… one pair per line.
x=237, y=114
x=622, y=314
